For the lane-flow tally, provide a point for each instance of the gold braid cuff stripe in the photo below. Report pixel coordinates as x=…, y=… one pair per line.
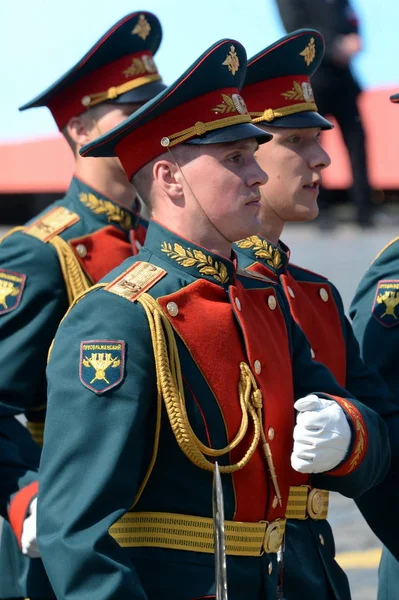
x=118, y=90
x=274, y=113
x=200, y=128
x=196, y=534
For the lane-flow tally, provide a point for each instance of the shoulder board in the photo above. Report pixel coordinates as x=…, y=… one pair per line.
x=303, y=270
x=52, y=223
x=135, y=281
x=254, y=275
x=385, y=248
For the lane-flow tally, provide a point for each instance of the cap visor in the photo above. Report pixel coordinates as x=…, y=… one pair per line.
x=141, y=94
x=302, y=120
x=243, y=131
x=394, y=98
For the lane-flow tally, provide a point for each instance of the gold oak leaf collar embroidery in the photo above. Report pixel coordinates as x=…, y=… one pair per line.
x=263, y=250
x=193, y=258
x=114, y=213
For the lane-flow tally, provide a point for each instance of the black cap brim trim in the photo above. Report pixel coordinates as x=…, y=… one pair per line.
x=233, y=133
x=301, y=120
x=141, y=94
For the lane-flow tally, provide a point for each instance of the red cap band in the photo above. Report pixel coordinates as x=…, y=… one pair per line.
x=102, y=84
x=211, y=111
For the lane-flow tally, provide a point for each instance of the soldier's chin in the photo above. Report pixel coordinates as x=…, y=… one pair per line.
x=305, y=212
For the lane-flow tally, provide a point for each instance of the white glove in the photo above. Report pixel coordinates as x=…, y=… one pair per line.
x=28, y=537
x=321, y=435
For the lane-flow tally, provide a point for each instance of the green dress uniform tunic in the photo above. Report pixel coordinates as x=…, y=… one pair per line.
x=18, y=459
x=43, y=266
x=46, y=264
x=317, y=307
x=375, y=317
x=176, y=359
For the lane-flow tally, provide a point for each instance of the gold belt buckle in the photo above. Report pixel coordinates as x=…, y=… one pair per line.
x=274, y=535
x=317, y=504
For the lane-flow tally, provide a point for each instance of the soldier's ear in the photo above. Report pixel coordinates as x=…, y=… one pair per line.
x=77, y=131
x=166, y=177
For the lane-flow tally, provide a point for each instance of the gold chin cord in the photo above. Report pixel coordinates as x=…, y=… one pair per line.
x=170, y=387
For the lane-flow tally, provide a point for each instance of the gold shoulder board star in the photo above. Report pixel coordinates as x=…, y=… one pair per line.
x=309, y=53
x=142, y=28
x=232, y=61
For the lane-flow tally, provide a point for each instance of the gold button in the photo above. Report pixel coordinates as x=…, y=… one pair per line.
x=81, y=250
x=323, y=294
x=321, y=539
x=257, y=366
x=172, y=308
x=270, y=568
x=270, y=433
x=272, y=302
x=275, y=501
x=238, y=304
x=291, y=292
x=312, y=354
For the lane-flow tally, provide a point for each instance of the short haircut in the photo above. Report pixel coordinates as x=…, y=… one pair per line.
x=71, y=143
x=143, y=180
x=89, y=117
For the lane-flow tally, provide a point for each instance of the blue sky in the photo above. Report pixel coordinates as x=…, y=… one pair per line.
x=41, y=39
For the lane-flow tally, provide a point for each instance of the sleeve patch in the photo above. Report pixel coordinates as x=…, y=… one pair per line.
x=385, y=308
x=11, y=287
x=52, y=223
x=101, y=364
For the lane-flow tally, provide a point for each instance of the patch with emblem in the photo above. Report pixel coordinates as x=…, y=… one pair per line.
x=385, y=307
x=11, y=287
x=102, y=364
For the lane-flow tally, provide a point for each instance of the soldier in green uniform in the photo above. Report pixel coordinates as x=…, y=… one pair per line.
x=176, y=359
x=18, y=459
x=375, y=317
x=281, y=102
x=75, y=242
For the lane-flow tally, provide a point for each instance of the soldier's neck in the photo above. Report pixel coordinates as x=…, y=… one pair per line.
x=271, y=224
x=271, y=231
x=107, y=177
x=194, y=230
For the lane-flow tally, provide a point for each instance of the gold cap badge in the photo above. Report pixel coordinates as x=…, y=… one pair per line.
x=309, y=53
x=142, y=28
x=232, y=61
